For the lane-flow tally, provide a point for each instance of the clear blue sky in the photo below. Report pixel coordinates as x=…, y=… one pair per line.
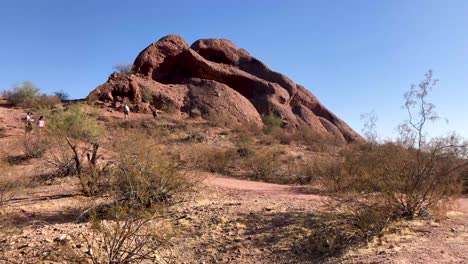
x=355, y=56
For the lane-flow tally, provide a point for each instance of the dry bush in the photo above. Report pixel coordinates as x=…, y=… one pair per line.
x=146, y=94
x=194, y=136
x=77, y=128
x=315, y=142
x=464, y=180
x=7, y=184
x=125, y=69
x=411, y=184
x=144, y=176
x=299, y=171
x=11, y=183
x=60, y=159
x=412, y=176
x=34, y=146
x=212, y=159
x=43, y=102
x=347, y=225
x=125, y=239
x=263, y=165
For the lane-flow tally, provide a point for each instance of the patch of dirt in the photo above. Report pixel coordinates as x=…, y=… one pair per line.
x=228, y=221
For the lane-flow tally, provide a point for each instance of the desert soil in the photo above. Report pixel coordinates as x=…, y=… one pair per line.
x=228, y=221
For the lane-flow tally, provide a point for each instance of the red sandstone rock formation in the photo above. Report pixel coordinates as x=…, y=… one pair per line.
x=223, y=82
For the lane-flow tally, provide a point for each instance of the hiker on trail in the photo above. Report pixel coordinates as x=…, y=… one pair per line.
x=126, y=111
x=29, y=119
x=155, y=114
x=41, y=123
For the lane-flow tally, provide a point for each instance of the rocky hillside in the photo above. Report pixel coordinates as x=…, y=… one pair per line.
x=223, y=82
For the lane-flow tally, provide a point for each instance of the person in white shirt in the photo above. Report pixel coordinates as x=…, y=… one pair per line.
x=126, y=111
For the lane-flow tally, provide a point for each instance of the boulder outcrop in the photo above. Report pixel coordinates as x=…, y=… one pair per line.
x=223, y=82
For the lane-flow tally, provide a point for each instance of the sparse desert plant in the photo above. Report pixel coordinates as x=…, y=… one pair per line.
x=80, y=131
x=123, y=68
x=22, y=94
x=146, y=94
x=145, y=177
x=299, y=172
x=42, y=101
x=412, y=176
x=7, y=185
x=271, y=123
x=346, y=226
x=464, y=180
x=212, y=159
x=195, y=137
x=34, y=146
x=263, y=165
x=125, y=239
x=11, y=183
x=62, y=95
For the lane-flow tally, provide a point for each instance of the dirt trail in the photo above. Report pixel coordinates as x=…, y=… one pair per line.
x=262, y=188
x=239, y=221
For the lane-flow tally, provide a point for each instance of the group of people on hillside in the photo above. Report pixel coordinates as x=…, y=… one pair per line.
x=29, y=123
x=40, y=124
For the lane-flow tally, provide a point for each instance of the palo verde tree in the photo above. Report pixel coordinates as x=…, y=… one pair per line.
x=432, y=170
x=80, y=131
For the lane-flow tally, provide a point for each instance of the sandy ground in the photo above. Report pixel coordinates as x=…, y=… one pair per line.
x=229, y=221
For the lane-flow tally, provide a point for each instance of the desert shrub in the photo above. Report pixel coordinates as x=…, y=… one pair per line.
x=34, y=146
x=92, y=98
x=22, y=94
x=60, y=160
x=412, y=176
x=314, y=141
x=62, y=95
x=194, y=137
x=271, y=123
x=349, y=225
x=11, y=183
x=411, y=185
x=80, y=131
x=299, y=172
x=124, y=239
x=145, y=177
x=263, y=165
x=42, y=101
x=464, y=180
x=7, y=184
x=123, y=68
x=146, y=94
x=212, y=159
x=74, y=122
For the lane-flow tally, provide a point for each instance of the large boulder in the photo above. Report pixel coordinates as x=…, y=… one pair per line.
x=222, y=81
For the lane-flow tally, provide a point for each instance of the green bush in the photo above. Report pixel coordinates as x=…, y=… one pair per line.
x=73, y=122
x=80, y=131
x=22, y=94
x=272, y=123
